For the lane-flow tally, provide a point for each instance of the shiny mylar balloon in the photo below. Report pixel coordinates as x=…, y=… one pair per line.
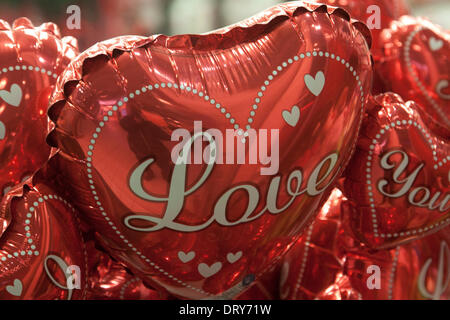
x=109, y=280
x=327, y=263
x=377, y=14
x=31, y=58
x=313, y=268
x=277, y=100
x=399, y=177
x=419, y=270
x=42, y=255
x=416, y=65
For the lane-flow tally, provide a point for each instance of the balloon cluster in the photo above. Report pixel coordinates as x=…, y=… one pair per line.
x=272, y=159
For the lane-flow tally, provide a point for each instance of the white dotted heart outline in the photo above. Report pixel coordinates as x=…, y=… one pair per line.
x=218, y=106
x=392, y=275
x=369, y=165
x=304, y=260
x=27, y=68
x=125, y=286
x=419, y=84
x=32, y=248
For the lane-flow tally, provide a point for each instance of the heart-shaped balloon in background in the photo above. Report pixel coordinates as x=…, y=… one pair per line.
x=329, y=264
x=122, y=106
x=398, y=178
x=42, y=254
x=313, y=268
x=419, y=270
x=415, y=65
x=31, y=59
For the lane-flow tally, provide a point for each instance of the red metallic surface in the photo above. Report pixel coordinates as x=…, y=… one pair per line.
x=398, y=178
x=298, y=70
x=416, y=65
x=109, y=280
x=377, y=14
x=30, y=60
x=327, y=263
x=313, y=268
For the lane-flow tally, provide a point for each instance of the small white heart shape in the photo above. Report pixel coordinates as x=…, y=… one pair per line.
x=2, y=130
x=12, y=97
x=208, y=271
x=292, y=117
x=316, y=84
x=435, y=44
x=16, y=288
x=186, y=257
x=233, y=257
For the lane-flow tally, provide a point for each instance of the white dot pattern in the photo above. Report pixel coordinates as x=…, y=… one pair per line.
x=29, y=68
x=304, y=259
x=125, y=286
x=32, y=250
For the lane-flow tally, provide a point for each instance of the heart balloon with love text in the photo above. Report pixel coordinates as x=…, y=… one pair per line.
x=198, y=159
x=31, y=59
x=377, y=14
x=398, y=179
x=314, y=268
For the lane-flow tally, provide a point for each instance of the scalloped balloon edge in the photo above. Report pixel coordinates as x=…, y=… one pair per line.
x=76, y=70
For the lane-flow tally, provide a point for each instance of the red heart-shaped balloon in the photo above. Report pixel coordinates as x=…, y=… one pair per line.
x=398, y=177
x=377, y=14
x=415, y=65
x=42, y=254
x=419, y=270
x=288, y=87
x=31, y=59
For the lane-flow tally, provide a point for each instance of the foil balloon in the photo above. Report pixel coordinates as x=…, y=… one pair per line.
x=31, y=59
x=419, y=270
x=377, y=14
x=109, y=280
x=415, y=65
x=398, y=178
x=314, y=268
x=198, y=159
x=42, y=255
